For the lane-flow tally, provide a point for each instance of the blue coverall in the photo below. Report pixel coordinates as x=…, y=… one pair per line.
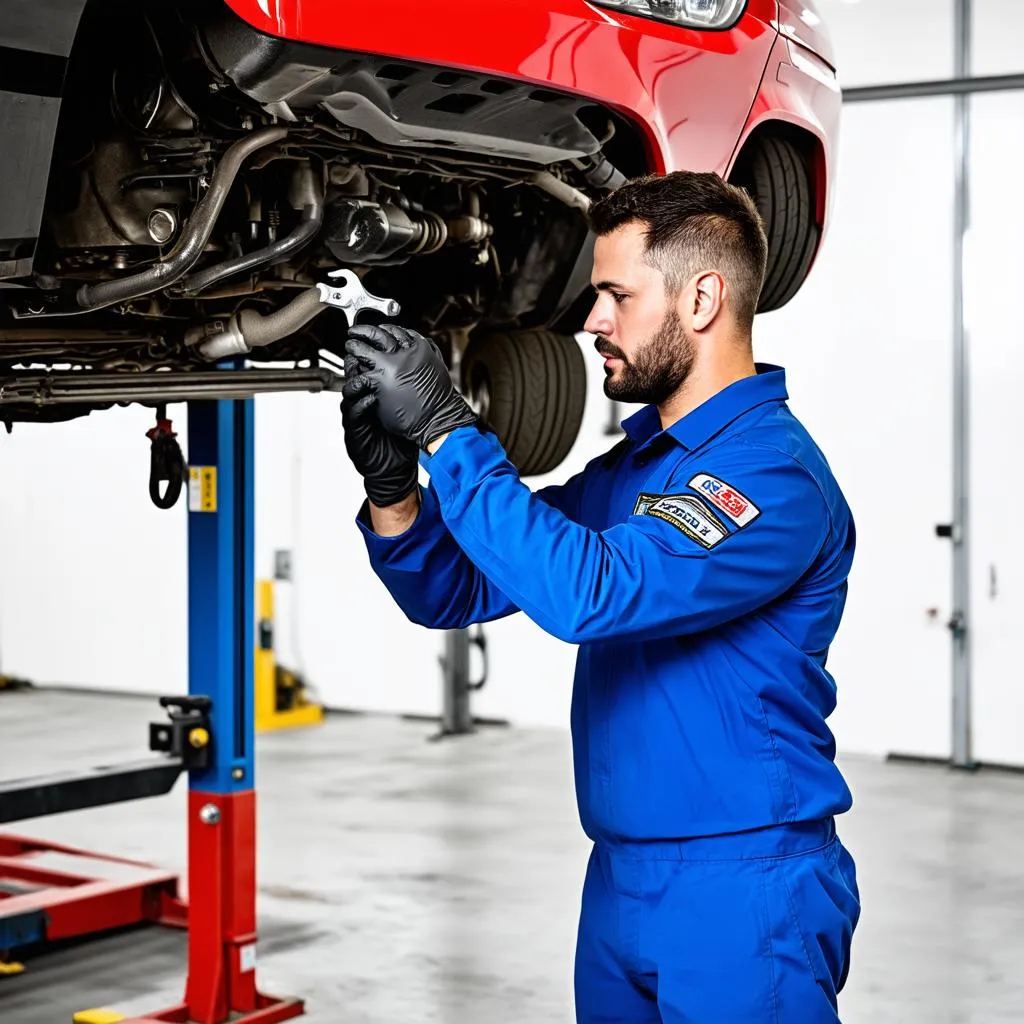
x=702, y=570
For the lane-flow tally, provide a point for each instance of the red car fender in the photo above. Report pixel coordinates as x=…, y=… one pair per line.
x=801, y=21
x=801, y=89
x=690, y=92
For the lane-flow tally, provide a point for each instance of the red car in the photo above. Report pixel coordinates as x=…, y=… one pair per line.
x=180, y=178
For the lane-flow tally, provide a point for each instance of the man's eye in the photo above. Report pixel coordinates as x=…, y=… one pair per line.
x=619, y=297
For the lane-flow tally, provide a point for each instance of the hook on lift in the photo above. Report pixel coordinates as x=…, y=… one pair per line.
x=166, y=461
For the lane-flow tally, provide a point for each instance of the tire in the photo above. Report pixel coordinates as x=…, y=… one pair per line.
x=531, y=387
x=775, y=173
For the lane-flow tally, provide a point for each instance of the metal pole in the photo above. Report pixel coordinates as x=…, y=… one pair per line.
x=960, y=622
x=221, y=640
x=456, y=717
x=962, y=84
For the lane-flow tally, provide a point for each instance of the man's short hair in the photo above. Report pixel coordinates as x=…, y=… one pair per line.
x=694, y=221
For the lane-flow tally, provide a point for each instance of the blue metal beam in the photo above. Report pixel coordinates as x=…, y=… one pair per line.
x=221, y=586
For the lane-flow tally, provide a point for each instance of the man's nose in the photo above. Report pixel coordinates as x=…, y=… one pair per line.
x=598, y=324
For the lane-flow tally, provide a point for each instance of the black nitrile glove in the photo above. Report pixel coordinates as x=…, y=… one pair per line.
x=388, y=465
x=416, y=398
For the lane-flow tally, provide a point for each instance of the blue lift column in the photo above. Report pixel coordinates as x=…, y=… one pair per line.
x=221, y=982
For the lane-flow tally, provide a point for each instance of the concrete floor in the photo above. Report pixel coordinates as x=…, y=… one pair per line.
x=408, y=881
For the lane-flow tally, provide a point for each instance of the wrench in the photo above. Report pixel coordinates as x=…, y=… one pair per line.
x=351, y=297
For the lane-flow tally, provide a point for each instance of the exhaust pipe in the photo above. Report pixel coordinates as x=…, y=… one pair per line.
x=250, y=329
x=307, y=196
x=561, y=190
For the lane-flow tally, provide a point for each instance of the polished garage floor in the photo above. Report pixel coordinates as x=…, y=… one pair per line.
x=403, y=881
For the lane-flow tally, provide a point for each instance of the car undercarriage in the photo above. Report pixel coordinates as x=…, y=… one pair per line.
x=182, y=188
x=204, y=175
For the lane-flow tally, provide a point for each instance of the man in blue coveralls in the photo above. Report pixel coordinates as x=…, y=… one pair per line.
x=701, y=566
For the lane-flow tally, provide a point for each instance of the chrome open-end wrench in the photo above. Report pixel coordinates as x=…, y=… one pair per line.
x=350, y=297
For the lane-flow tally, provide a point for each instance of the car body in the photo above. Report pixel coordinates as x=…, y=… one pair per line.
x=169, y=165
x=694, y=96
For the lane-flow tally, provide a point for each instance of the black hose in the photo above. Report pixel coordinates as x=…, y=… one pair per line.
x=193, y=239
x=167, y=464
x=602, y=173
x=166, y=461
x=312, y=207
x=305, y=232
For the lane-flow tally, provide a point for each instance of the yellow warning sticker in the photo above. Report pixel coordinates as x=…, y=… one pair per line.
x=202, y=488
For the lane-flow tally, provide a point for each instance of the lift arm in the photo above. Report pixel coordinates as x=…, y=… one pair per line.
x=184, y=742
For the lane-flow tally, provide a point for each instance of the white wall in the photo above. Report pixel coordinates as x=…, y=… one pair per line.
x=995, y=37
x=996, y=345
x=92, y=575
x=886, y=41
x=868, y=347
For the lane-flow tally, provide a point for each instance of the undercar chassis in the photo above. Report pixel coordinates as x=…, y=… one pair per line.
x=199, y=185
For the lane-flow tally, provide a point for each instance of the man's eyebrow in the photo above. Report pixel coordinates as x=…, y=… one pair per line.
x=609, y=286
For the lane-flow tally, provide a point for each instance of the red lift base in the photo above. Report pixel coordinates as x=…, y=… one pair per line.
x=221, y=980
x=50, y=892
x=268, y=1011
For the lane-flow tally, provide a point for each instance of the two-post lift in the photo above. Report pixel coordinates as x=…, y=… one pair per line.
x=210, y=735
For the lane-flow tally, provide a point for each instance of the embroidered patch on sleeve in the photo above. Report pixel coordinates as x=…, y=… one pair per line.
x=738, y=507
x=685, y=513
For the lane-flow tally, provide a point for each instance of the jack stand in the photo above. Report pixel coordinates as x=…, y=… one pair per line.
x=456, y=714
x=221, y=983
x=281, y=696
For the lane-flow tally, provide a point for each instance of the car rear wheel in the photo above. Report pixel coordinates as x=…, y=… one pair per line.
x=775, y=173
x=531, y=387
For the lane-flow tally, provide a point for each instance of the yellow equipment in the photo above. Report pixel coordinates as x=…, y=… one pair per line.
x=282, y=701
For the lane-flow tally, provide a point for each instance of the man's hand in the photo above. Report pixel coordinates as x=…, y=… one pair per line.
x=388, y=465
x=415, y=397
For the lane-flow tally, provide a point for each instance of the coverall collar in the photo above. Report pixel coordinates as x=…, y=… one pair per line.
x=698, y=426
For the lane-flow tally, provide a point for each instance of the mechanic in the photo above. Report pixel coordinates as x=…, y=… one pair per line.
x=701, y=566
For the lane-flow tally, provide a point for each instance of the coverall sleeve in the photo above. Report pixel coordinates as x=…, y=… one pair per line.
x=429, y=575
x=680, y=564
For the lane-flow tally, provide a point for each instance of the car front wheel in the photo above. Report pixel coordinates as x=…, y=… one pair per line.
x=531, y=387
x=775, y=172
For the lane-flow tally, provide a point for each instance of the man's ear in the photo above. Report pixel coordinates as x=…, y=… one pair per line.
x=708, y=298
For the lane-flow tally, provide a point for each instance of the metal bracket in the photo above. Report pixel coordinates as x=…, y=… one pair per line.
x=957, y=624
x=188, y=734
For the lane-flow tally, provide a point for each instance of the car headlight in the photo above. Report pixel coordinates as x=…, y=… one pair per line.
x=715, y=14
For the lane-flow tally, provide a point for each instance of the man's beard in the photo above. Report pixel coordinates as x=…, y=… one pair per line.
x=659, y=368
